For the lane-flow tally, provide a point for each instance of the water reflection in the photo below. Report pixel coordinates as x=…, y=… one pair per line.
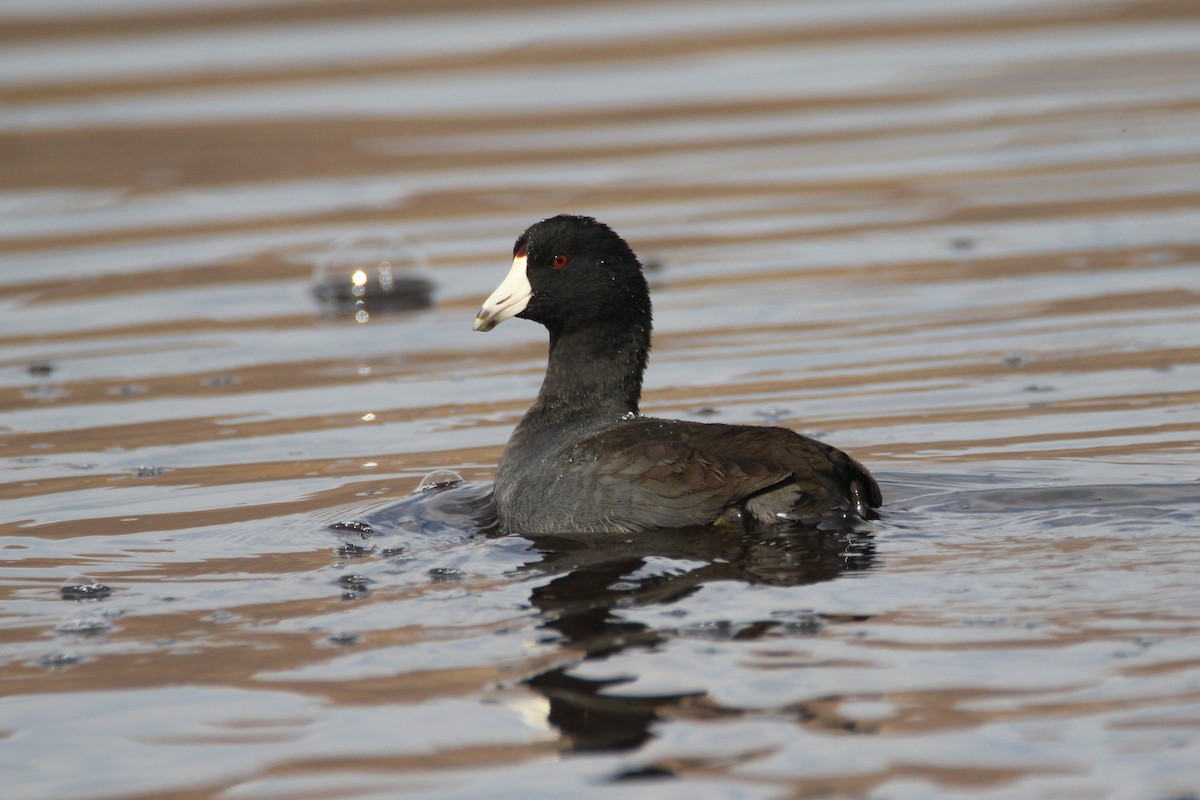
x=597, y=578
x=594, y=579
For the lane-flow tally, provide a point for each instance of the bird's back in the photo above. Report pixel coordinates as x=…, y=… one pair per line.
x=645, y=473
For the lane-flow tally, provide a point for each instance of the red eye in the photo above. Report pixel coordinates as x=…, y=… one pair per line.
x=559, y=261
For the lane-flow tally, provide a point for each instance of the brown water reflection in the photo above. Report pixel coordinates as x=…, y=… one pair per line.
x=957, y=240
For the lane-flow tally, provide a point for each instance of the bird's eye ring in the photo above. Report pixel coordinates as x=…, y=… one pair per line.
x=559, y=261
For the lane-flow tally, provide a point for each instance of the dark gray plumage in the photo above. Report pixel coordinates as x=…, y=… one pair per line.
x=583, y=461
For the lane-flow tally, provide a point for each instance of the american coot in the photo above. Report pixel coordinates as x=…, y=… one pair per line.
x=582, y=460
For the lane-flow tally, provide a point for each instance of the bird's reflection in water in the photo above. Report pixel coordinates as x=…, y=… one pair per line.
x=594, y=578
x=597, y=577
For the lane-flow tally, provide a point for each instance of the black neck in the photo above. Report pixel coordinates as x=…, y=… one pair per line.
x=593, y=371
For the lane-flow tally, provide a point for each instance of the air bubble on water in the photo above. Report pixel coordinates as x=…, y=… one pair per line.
x=363, y=274
x=440, y=479
x=84, y=587
x=148, y=471
x=60, y=660
x=1013, y=360
x=351, y=550
x=446, y=575
x=354, y=581
x=356, y=526
x=85, y=624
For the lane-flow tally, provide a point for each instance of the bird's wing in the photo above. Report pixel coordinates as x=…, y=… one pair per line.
x=667, y=474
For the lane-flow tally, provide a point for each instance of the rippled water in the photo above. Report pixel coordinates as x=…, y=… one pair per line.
x=957, y=240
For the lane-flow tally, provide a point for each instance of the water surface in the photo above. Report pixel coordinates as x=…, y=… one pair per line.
x=959, y=241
